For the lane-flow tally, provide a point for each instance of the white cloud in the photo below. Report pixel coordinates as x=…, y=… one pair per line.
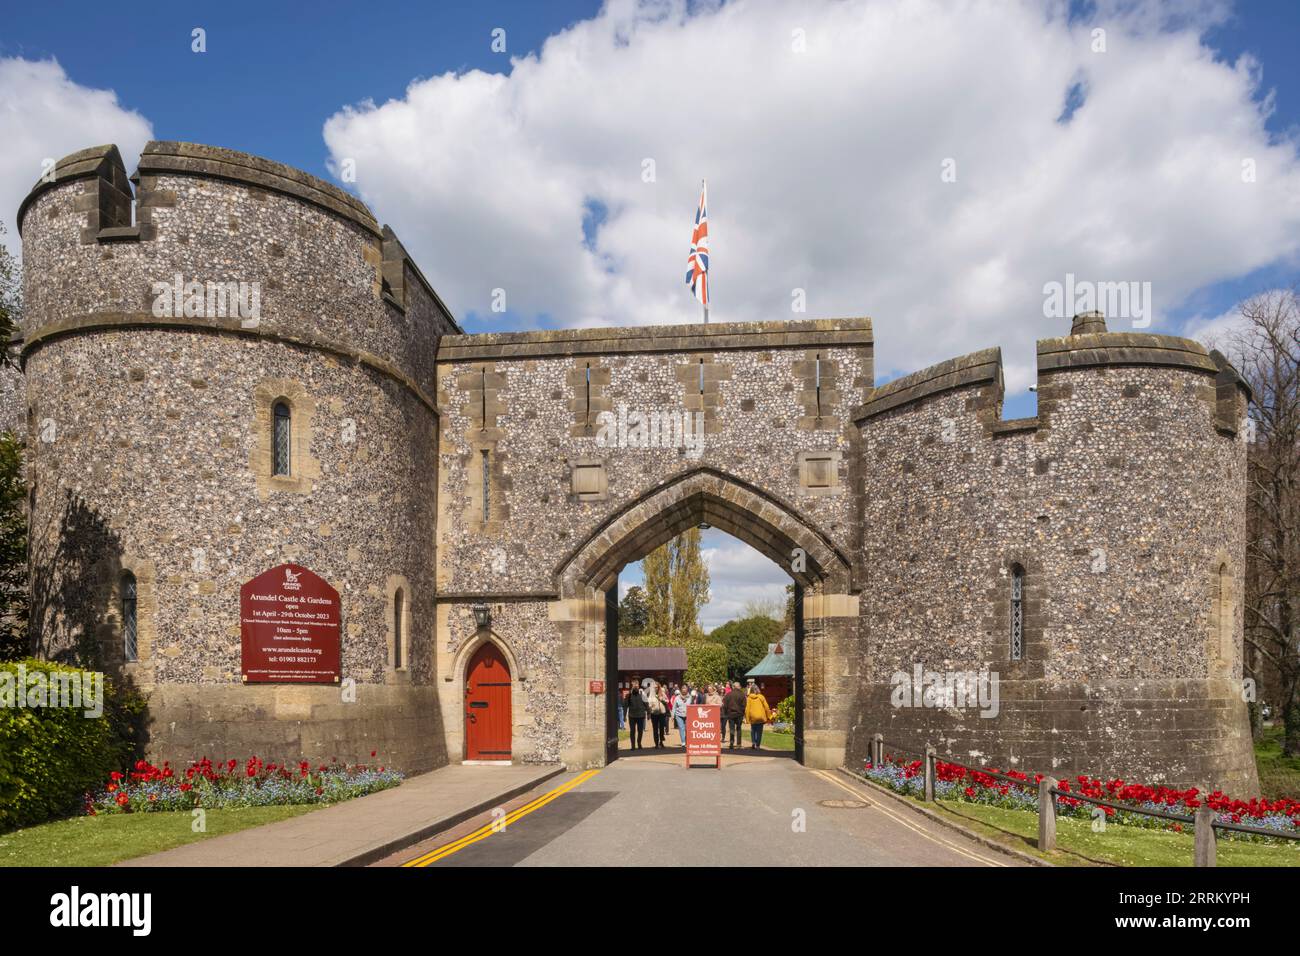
x=824, y=167
x=737, y=575
x=1215, y=331
x=45, y=115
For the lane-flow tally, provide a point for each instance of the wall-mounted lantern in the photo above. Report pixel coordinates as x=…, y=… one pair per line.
x=482, y=616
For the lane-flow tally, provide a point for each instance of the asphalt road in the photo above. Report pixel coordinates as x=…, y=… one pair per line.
x=651, y=810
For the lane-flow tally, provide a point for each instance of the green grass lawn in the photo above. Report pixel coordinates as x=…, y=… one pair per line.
x=776, y=741
x=1117, y=845
x=1279, y=776
x=106, y=839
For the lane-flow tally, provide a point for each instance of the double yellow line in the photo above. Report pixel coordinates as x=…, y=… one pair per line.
x=832, y=777
x=498, y=826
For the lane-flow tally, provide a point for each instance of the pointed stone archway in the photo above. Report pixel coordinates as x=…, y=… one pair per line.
x=774, y=528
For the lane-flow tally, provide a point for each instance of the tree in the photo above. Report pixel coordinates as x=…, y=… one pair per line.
x=706, y=663
x=11, y=298
x=657, y=568
x=13, y=487
x=633, y=612
x=13, y=550
x=676, y=587
x=746, y=641
x=764, y=607
x=1265, y=348
x=690, y=584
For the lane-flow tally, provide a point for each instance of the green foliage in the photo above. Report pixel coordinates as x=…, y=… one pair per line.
x=785, y=711
x=11, y=299
x=13, y=550
x=676, y=586
x=646, y=640
x=746, y=641
x=51, y=757
x=633, y=613
x=706, y=663
x=1279, y=774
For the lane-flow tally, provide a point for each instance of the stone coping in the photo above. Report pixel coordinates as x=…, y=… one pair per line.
x=89, y=163
x=115, y=321
x=166, y=157
x=1067, y=352
x=977, y=368
x=1123, y=348
x=392, y=243
x=161, y=157
x=656, y=338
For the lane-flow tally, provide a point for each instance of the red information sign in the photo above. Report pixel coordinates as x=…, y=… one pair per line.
x=596, y=686
x=289, y=625
x=704, y=732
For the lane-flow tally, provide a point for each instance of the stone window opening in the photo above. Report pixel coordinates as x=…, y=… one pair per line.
x=281, y=456
x=130, y=622
x=397, y=614
x=817, y=383
x=1222, y=617
x=587, y=382
x=482, y=391
x=281, y=438
x=399, y=632
x=1017, y=612
x=487, y=486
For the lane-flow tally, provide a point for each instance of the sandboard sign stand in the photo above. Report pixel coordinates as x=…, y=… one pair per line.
x=704, y=732
x=289, y=622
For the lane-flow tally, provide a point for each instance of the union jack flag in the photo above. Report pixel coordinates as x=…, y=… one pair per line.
x=697, y=262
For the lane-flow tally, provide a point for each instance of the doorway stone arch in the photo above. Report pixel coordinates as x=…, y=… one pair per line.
x=454, y=668
x=771, y=526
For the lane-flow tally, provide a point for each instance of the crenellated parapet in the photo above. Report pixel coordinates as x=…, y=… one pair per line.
x=1062, y=362
x=213, y=240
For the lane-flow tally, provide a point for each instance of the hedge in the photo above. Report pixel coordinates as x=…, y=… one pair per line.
x=51, y=757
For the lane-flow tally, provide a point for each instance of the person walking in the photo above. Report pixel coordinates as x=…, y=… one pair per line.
x=657, y=699
x=733, y=711
x=636, y=715
x=680, y=703
x=621, y=704
x=758, y=713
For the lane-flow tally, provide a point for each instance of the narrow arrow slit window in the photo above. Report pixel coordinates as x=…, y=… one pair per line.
x=281, y=436
x=1017, y=612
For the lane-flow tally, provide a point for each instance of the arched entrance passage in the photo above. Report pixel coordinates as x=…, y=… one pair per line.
x=487, y=705
x=826, y=625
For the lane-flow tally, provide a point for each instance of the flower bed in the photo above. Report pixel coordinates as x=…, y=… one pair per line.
x=954, y=782
x=229, y=784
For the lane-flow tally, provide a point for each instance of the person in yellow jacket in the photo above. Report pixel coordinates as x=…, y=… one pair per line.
x=757, y=713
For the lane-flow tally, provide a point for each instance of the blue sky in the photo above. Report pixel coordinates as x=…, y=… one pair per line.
x=520, y=169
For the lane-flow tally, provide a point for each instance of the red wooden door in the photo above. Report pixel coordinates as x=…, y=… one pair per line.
x=487, y=705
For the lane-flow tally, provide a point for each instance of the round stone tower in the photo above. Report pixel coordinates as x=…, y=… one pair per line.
x=1085, y=565
x=230, y=367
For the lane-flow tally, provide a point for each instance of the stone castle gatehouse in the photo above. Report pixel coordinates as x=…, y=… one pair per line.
x=457, y=492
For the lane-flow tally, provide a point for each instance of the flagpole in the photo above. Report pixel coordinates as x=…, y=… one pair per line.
x=705, y=278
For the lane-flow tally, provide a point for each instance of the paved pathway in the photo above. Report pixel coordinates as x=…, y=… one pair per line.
x=649, y=810
x=366, y=829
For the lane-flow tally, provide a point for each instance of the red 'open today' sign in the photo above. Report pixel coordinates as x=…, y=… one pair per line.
x=704, y=732
x=289, y=627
